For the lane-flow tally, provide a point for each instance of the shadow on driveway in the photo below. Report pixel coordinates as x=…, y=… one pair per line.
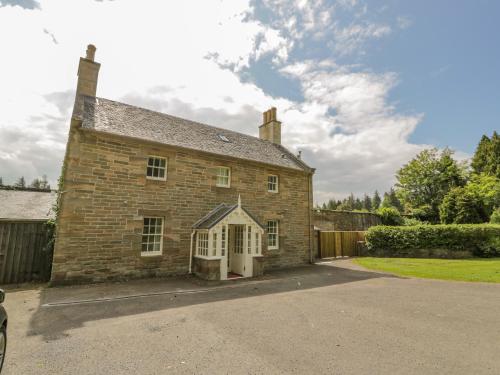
x=61, y=310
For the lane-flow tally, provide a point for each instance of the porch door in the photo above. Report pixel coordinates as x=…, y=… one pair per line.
x=238, y=254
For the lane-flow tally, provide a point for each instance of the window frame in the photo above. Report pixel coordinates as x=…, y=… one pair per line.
x=148, y=253
x=218, y=168
x=276, y=183
x=164, y=178
x=276, y=233
x=205, y=241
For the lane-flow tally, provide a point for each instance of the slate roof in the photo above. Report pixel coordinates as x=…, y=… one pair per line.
x=217, y=214
x=108, y=116
x=26, y=205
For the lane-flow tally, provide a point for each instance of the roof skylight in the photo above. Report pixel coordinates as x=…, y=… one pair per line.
x=222, y=137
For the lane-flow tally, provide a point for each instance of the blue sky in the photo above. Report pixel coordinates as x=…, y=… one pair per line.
x=361, y=86
x=448, y=63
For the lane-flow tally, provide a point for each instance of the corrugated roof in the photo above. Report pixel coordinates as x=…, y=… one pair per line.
x=26, y=205
x=126, y=120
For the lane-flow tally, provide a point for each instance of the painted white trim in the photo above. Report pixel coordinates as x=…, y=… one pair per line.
x=277, y=183
x=277, y=246
x=164, y=178
x=228, y=177
x=153, y=253
x=191, y=252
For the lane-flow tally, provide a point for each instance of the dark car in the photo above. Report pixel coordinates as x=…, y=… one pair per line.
x=3, y=329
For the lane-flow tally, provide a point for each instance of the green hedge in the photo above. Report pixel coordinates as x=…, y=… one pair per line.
x=479, y=239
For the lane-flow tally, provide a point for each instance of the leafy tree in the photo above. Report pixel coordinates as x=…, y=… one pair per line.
x=332, y=204
x=427, y=178
x=390, y=216
x=376, y=200
x=35, y=184
x=486, y=159
x=460, y=206
x=358, y=205
x=20, y=183
x=495, y=217
x=391, y=200
x=367, y=203
x=487, y=189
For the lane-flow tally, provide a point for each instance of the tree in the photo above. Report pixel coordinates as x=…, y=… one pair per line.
x=486, y=159
x=390, y=216
x=44, y=183
x=35, y=184
x=1, y=181
x=495, y=217
x=487, y=189
x=20, y=183
x=367, y=203
x=358, y=205
x=460, y=206
x=391, y=200
x=332, y=204
x=376, y=200
x=427, y=178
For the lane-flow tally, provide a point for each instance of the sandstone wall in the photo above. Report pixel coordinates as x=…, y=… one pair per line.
x=106, y=195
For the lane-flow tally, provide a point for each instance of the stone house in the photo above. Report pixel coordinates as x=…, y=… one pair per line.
x=148, y=194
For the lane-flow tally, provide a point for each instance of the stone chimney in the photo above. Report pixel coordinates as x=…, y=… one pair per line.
x=270, y=130
x=88, y=71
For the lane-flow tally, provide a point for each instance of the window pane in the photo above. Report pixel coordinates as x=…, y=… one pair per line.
x=161, y=173
x=150, y=162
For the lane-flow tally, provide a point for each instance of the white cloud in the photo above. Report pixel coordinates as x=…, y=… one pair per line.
x=348, y=130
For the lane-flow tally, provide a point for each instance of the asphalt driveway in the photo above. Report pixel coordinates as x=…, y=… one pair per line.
x=325, y=319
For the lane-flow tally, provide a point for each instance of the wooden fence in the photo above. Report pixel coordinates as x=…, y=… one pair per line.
x=25, y=252
x=340, y=243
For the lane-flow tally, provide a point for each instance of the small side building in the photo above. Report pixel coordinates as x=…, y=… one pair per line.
x=25, y=237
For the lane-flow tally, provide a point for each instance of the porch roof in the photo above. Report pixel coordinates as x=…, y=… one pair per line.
x=217, y=214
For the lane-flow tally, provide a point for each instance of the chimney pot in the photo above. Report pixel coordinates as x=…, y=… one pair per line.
x=90, y=52
x=273, y=113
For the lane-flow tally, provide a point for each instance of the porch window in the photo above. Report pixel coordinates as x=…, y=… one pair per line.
x=202, y=244
x=223, y=177
x=272, y=235
x=238, y=239
x=223, y=242
x=214, y=244
x=249, y=240
x=272, y=183
x=257, y=243
x=152, y=236
x=157, y=168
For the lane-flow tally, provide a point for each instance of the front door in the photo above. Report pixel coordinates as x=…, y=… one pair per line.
x=237, y=258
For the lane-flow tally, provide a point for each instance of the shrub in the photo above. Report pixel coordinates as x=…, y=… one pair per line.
x=495, y=217
x=390, y=216
x=482, y=239
x=411, y=221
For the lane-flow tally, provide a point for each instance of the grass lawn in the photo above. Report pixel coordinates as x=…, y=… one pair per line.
x=486, y=270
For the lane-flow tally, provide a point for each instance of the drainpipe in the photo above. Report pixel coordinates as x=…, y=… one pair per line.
x=191, y=251
x=311, y=229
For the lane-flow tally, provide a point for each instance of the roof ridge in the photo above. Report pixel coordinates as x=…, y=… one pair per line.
x=111, y=109
x=182, y=119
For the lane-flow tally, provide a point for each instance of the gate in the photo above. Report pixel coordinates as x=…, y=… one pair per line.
x=25, y=252
x=340, y=243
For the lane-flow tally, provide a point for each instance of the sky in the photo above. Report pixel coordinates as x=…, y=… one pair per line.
x=360, y=86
